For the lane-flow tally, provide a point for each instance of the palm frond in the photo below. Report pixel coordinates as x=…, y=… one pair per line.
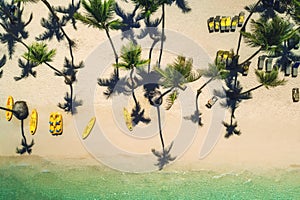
x=171, y=99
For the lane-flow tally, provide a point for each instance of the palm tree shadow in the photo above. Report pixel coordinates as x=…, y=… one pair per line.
x=231, y=129
x=2, y=63
x=114, y=85
x=70, y=104
x=68, y=13
x=138, y=115
x=163, y=157
x=195, y=118
x=27, y=69
x=52, y=27
x=12, y=23
x=129, y=22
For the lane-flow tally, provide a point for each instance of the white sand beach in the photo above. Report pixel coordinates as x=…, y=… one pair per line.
x=269, y=122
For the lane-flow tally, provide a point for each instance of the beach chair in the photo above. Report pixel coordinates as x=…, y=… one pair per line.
x=234, y=23
x=295, y=69
x=261, y=60
x=295, y=94
x=241, y=18
x=287, y=67
x=217, y=23
x=219, y=56
x=228, y=24
x=269, y=64
x=210, y=24
x=223, y=24
x=245, y=68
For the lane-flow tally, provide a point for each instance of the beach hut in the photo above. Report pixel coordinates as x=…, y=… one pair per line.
x=269, y=64
x=261, y=60
x=295, y=69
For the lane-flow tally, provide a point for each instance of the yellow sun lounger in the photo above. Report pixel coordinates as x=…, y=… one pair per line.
x=228, y=24
x=241, y=18
x=223, y=24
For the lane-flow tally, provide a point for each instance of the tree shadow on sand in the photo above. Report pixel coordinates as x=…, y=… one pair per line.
x=12, y=23
x=164, y=157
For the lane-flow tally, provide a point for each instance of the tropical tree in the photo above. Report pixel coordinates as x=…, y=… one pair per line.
x=99, y=14
x=175, y=76
x=268, y=80
x=130, y=60
x=20, y=111
x=268, y=35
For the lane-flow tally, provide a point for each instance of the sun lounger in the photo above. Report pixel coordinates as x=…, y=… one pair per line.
x=228, y=24
x=295, y=94
x=295, y=69
x=217, y=23
x=269, y=64
x=241, y=18
x=223, y=23
x=287, y=68
x=261, y=61
x=234, y=23
x=219, y=56
x=210, y=24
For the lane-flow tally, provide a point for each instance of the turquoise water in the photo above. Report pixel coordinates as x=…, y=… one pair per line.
x=41, y=179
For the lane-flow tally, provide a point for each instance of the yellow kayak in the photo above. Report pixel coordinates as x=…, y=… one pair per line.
x=128, y=119
x=88, y=128
x=9, y=105
x=33, y=121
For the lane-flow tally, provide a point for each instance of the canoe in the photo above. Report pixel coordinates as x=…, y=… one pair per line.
x=88, y=128
x=128, y=119
x=9, y=105
x=33, y=121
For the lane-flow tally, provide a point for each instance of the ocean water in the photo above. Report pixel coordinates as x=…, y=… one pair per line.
x=41, y=179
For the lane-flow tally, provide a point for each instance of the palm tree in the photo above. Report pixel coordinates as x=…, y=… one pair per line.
x=268, y=35
x=175, y=76
x=20, y=111
x=215, y=71
x=295, y=13
x=131, y=60
x=267, y=80
x=99, y=14
x=182, y=4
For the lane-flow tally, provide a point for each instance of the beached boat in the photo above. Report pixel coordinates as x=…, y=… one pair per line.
x=128, y=119
x=88, y=128
x=33, y=121
x=9, y=105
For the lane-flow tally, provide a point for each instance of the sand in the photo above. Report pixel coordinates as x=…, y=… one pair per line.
x=269, y=122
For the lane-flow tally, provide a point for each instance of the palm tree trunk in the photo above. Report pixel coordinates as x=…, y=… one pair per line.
x=56, y=70
x=244, y=27
x=22, y=131
x=165, y=93
x=71, y=96
x=114, y=50
x=150, y=54
x=252, y=56
x=159, y=127
x=252, y=89
x=70, y=42
x=6, y=109
x=132, y=87
x=199, y=92
x=162, y=34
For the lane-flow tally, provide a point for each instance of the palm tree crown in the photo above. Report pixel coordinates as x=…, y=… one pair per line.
x=99, y=14
x=38, y=53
